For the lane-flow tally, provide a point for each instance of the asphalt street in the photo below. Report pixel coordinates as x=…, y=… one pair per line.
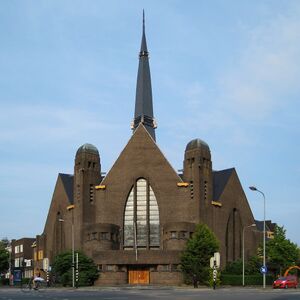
x=151, y=293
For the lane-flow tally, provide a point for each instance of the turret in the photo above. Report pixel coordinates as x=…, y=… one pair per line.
x=197, y=171
x=87, y=174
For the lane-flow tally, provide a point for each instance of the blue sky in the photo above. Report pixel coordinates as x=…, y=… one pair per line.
x=224, y=71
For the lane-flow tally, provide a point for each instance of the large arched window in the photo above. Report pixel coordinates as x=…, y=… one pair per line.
x=233, y=236
x=141, y=219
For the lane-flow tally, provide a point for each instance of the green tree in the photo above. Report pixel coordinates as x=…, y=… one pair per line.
x=199, y=249
x=4, y=256
x=62, y=268
x=280, y=251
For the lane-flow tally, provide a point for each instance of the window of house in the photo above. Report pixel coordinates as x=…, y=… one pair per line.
x=104, y=235
x=173, y=234
x=141, y=220
x=100, y=268
x=17, y=263
x=110, y=268
x=94, y=236
x=183, y=235
x=164, y=268
x=17, y=249
x=21, y=248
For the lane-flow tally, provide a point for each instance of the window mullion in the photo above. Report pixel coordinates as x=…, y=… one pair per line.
x=148, y=214
x=135, y=232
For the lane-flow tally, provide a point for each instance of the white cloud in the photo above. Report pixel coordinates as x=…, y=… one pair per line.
x=267, y=72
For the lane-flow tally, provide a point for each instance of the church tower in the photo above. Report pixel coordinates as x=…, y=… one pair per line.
x=197, y=171
x=87, y=174
x=143, y=100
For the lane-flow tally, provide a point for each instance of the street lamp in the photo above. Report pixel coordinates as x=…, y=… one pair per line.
x=71, y=207
x=245, y=227
x=253, y=188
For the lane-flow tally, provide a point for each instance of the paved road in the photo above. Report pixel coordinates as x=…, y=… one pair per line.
x=137, y=293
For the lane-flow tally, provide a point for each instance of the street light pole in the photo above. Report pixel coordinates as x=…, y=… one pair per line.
x=73, y=252
x=71, y=207
x=245, y=227
x=253, y=188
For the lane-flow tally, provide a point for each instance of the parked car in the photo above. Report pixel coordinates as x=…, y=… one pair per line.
x=290, y=281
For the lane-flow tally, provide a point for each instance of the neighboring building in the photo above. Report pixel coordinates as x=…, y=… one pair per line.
x=22, y=256
x=270, y=228
x=135, y=221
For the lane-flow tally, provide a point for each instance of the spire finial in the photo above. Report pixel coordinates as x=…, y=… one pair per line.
x=143, y=21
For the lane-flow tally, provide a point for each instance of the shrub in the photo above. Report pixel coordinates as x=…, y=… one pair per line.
x=249, y=279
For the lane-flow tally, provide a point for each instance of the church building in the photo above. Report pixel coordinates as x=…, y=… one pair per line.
x=134, y=222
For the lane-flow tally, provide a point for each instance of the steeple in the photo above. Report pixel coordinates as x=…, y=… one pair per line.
x=143, y=99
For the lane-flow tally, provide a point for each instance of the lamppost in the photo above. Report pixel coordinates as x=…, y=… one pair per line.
x=245, y=227
x=71, y=207
x=253, y=188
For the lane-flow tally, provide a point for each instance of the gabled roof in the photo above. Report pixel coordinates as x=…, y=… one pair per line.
x=67, y=180
x=220, y=179
x=260, y=225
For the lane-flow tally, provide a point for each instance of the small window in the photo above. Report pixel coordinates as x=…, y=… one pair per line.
x=94, y=236
x=91, y=193
x=192, y=189
x=78, y=191
x=110, y=268
x=94, y=165
x=183, y=235
x=164, y=268
x=21, y=248
x=173, y=234
x=104, y=236
x=205, y=190
x=89, y=164
x=17, y=263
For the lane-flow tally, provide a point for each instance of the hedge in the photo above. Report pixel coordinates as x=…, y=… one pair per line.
x=249, y=279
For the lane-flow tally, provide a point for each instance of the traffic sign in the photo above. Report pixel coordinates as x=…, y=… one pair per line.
x=263, y=269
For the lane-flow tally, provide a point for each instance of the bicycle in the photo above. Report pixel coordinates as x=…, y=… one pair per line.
x=34, y=286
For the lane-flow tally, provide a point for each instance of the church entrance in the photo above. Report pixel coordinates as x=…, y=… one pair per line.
x=138, y=275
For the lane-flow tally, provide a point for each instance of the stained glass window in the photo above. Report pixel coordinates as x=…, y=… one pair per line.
x=141, y=220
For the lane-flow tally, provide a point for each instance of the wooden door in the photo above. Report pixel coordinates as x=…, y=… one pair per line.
x=138, y=276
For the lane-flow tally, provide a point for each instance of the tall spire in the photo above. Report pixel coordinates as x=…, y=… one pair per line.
x=143, y=99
